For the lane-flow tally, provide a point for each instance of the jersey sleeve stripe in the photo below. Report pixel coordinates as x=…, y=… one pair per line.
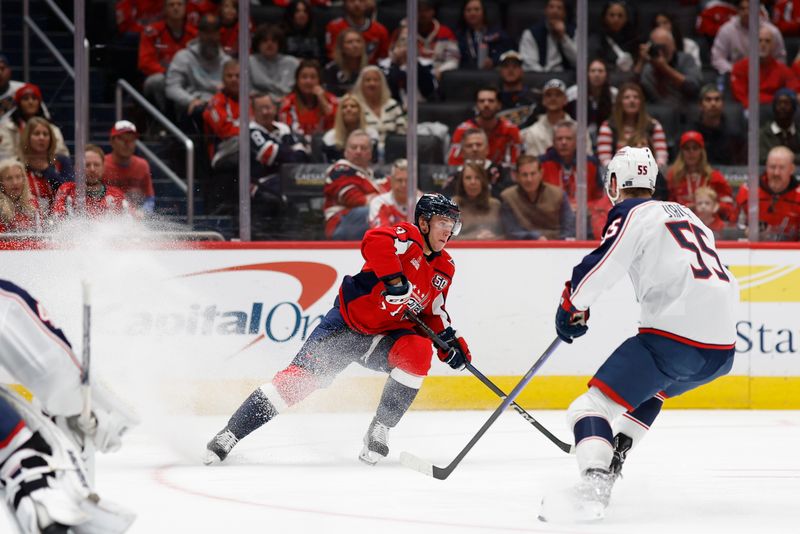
x=685, y=340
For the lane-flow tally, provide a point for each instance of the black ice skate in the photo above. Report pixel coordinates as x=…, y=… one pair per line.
x=219, y=447
x=375, y=443
x=622, y=444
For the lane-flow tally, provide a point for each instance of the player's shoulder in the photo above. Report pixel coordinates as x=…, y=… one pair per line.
x=630, y=206
x=444, y=264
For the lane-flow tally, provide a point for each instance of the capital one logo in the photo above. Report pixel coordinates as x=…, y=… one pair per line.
x=279, y=322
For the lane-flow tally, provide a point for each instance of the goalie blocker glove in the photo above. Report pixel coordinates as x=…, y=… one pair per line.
x=570, y=322
x=458, y=355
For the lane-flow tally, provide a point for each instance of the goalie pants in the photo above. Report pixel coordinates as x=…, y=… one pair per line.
x=332, y=346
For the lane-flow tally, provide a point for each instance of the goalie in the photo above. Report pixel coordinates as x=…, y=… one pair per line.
x=42, y=475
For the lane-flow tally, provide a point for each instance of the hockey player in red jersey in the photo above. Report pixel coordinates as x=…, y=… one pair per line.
x=406, y=268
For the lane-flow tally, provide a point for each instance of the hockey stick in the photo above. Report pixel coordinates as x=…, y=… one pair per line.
x=85, y=418
x=441, y=473
x=566, y=447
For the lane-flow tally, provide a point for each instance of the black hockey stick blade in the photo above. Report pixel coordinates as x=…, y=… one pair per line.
x=441, y=473
x=566, y=447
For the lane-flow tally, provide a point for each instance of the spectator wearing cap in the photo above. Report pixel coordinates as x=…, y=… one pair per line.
x=28, y=101
x=668, y=76
x=127, y=171
x=503, y=135
x=724, y=142
x=782, y=129
x=772, y=74
x=7, y=86
x=159, y=43
x=538, y=137
x=514, y=94
x=732, y=42
x=549, y=46
x=195, y=73
x=692, y=171
x=101, y=199
x=778, y=198
x=535, y=209
x=271, y=71
x=376, y=36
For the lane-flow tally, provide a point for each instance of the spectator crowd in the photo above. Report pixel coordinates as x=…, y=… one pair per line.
x=329, y=86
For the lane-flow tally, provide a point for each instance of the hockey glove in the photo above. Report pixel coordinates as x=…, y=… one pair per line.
x=397, y=294
x=459, y=354
x=570, y=322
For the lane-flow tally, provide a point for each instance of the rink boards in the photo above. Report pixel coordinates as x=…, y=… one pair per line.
x=200, y=325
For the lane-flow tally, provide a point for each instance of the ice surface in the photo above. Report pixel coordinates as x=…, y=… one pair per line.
x=698, y=471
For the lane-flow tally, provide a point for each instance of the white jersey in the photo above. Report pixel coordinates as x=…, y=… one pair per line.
x=37, y=353
x=685, y=292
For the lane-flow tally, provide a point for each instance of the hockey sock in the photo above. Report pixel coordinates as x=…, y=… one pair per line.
x=254, y=412
x=647, y=411
x=395, y=401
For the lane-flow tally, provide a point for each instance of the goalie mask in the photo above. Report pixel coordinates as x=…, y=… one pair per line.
x=431, y=204
x=633, y=168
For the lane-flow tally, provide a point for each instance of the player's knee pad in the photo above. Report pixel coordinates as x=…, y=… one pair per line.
x=593, y=403
x=412, y=354
x=293, y=384
x=46, y=482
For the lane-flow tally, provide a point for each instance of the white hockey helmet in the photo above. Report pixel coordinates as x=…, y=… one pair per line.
x=632, y=167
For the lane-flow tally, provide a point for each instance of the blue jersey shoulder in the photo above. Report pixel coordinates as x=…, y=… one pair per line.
x=33, y=304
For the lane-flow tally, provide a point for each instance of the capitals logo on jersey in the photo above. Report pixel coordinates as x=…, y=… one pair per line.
x=439, y=282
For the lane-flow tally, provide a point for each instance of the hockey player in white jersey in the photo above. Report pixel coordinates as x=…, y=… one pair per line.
x=686, y=332
x=42, y=476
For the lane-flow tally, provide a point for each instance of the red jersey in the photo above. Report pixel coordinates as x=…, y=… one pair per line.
x=134, y=15
x=229, y=38
x=158, y=45
x=112, y=201
x=714, y=14
x=376, y=37
x=388, y=252
x=384, y=211
x=772, y=76
x=786, y=16
x=23, y=222
x=683, y=192
x=221, y=116
x=347, y=187
x=40, y=190
x=135, y=179
x=307, y=121
x=504, y=142
x=778, y=213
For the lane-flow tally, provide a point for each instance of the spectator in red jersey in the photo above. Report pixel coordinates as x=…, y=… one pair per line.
x=159, y=43
x=629, y=118
x=480, y=211
x=349, y=118
x=475, y=147
x=778, y=198
x=195, y=73
x=549, y=45
x=28, y=100
x=534, y=209
x=302, y=38
x=781, y=130
x=382, y=112
x=538, y=137
x=786, y=17
x=350, y=185
x=7, y=86
x=375, y=34
x=692, y=171
x=559, y=165
x=706, y=207
x=349, y=57
x=479, y=45
x=271, y=71
x=19, y=211
x=221, y=118
x=229, y=26
x=101, y=199
x=308, y=109
x=772, y=74
x=127, y=171
x=504, y=137
x=390, y=208
x=47, y=170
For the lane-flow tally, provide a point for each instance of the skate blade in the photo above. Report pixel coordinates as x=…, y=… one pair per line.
x=369, y=457
x=565, y=507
